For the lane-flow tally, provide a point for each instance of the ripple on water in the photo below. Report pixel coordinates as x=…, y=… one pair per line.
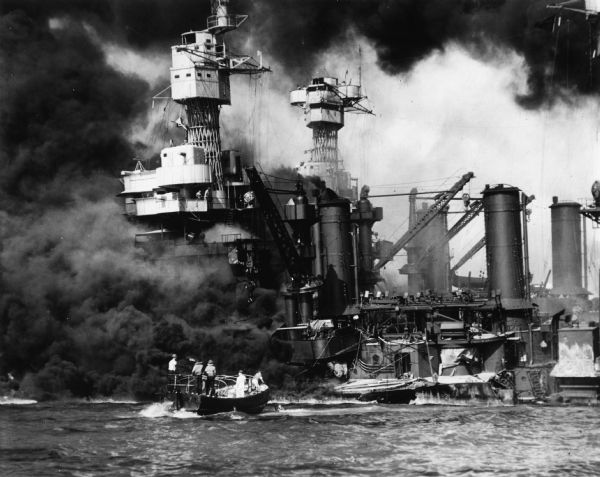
x=300, y=439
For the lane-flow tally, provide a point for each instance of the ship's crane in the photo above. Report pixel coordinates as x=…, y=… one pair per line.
x=285, y=244
x=472, y=211
x=474, y=249
x=441, y=201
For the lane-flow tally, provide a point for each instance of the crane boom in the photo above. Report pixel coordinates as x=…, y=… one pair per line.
x=442, y=200
x=474, y=249
x=473, y=211
x=282, y=238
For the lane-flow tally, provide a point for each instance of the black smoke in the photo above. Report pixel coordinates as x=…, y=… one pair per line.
x=81, y=310
x=403, y=32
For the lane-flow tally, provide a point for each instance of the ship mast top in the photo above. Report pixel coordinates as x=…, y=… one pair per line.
x=200, y=71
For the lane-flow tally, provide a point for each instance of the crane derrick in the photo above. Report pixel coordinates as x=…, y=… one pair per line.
x=441, y=201
x=476, y=248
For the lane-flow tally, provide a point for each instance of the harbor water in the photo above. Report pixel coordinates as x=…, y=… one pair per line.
x=297, y=438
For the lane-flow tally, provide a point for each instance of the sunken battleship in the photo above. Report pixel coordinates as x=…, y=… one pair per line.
x=496, y=337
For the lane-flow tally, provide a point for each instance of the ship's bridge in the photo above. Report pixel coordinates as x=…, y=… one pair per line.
x=196, y=70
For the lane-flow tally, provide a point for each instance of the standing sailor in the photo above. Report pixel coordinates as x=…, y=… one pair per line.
x=173, y=365
x=197, y=372
x=257, y=381
x=240, y=383
x=210, y=372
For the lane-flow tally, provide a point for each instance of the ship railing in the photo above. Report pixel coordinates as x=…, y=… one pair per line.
x=183, y=383
x=225, y=385
x=230, y=238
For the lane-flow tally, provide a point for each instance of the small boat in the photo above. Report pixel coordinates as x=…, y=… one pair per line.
x=186, y=395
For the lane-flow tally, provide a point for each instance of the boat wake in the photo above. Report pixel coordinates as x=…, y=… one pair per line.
x=423, y=399
x=111, y=401
x=157, y=409
x=12, y=401
x=317, y=402
x=165, y=409
x=313, y=408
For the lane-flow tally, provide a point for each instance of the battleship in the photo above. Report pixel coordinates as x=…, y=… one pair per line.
x=496, y=337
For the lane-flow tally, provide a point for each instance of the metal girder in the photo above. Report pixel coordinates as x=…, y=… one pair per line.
x=441, y=201
x=592, y=213
x=474, y=249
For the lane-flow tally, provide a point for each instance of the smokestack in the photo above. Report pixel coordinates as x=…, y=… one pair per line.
x=435, y=266
x=503, y=241
x=413, y=249
x=365, y=216
x=336, y=254
x=566, y=248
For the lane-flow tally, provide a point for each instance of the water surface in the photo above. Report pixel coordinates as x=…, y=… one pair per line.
x=302, y=438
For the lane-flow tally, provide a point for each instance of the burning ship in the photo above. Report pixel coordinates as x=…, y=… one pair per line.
x=501, y=343
x=198, y=184
x=447, y=336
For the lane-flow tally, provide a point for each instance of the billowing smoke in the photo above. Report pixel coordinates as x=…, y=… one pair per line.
x=81, y=310
x=403, y=32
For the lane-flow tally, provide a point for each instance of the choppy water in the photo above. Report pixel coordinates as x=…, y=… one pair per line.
x=305, y=438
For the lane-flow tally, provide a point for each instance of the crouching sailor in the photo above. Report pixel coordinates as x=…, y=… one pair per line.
x=257, y=381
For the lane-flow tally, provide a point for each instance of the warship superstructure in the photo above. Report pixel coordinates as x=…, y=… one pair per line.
x=198, y=184
x=325, y=101
x=494, y=337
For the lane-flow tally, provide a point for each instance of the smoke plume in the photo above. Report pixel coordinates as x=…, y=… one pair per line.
x=403, y=32
x=81, y=310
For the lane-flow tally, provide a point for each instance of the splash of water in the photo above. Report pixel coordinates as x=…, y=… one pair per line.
x=7, y=400
x=112, y=401
x=157, y=409
x=423, y=399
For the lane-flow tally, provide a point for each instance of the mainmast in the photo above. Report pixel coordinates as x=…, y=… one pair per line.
x=325, y=101
x=200, y=74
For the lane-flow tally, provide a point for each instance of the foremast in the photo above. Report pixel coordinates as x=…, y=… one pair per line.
x=201, y=67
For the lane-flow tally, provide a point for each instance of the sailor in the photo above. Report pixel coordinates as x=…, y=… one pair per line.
x=257, y=380
x=197, y=372
x=240, y=383
x=210, y=372
x=173, y=364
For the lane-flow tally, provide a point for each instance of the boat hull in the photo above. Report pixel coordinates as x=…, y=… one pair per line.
x=252, y=404
x=205, y=405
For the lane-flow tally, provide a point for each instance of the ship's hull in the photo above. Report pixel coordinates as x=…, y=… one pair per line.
x=291, y=346
x=396, y=391
x=205, y=405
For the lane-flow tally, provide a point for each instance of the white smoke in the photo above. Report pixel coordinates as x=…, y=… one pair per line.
x=454, y=112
